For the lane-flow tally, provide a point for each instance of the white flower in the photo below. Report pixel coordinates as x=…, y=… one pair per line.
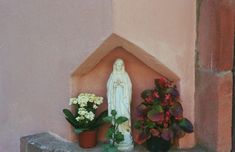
x=99, y=100
x=82, y=100
x=80, y=118
x=82, y=111
x=90, y=116
x=92, y=98
x=95, y=106
x=73, y=101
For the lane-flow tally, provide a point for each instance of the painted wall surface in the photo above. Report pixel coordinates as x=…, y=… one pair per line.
x=41, y=43
x=166, y=29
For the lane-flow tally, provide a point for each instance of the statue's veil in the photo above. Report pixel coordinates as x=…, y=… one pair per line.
x=114, y=66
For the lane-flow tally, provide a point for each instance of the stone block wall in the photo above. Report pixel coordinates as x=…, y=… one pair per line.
x=213, y=74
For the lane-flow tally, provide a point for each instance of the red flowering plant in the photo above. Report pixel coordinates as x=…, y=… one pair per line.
x=161, y=114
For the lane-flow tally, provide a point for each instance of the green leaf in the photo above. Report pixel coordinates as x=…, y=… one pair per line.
x=155, y=115
x=121, y=120
x=157, y=108
x=150, y=124
x=119, y=137
x=108, y=119
x=177, y=110
x=138, y=124
x=157, y=101
x=146, y=93
x=79, y=130
x=70, y=118
x=113, y=112
x=99, y=120
x=110, y=132
x=185, y=125
x=178, y=132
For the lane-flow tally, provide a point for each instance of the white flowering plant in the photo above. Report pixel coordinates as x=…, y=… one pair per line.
x=85, y=112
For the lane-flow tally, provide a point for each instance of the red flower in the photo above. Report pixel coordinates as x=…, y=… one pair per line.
x=162, y=81
x=164, y=103
x=155, y=94
x=171, y=103
x=167, y=96
x=165, y=124
x=149, y=99
x=167, y=119
x=167, y=113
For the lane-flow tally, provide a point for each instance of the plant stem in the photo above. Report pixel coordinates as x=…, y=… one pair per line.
x=114, y=126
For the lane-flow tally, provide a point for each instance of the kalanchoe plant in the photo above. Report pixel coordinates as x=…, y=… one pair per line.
x=161, y=114
x=84, y=117
x=113, y=134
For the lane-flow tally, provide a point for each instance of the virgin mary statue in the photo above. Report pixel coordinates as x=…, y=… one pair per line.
x=119, y=92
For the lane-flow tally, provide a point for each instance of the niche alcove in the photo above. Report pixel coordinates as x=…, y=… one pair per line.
x=92, y=75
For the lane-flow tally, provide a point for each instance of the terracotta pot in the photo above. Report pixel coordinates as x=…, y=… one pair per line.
x=87, y=139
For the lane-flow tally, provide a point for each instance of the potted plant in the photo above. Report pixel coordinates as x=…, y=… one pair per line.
x=84, y=120
x=160, y=117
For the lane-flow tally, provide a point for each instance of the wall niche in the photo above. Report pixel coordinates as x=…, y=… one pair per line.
x=95, y=79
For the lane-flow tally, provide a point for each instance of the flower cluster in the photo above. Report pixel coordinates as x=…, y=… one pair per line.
x=161, y=113
x=84, y=98
x=87, y=104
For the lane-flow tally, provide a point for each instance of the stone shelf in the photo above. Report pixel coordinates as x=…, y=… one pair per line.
x=49, y=142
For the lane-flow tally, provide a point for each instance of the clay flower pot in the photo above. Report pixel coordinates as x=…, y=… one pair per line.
x=88, y=139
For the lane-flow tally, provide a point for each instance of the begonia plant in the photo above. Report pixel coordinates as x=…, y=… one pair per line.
x=161, y=114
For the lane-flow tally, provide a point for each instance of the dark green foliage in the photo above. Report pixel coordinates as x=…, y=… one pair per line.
x=70, y=118
x=99, y=120
x=146, y=93
x=121, y=120
x=94, y=124
x=113, y=134
x=186, y=125
x=119, y=137
x=138, y=124
x=113, y=112
x=108, y=119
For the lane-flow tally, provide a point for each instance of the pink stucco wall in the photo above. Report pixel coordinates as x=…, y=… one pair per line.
x=41, y=43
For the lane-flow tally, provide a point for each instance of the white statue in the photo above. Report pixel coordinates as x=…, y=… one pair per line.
x=119, y=92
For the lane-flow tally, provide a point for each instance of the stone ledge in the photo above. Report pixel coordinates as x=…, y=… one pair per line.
x=49, y=142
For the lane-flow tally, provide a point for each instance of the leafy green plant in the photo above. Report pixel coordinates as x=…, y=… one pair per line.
x=113, y=134
x=84, y=117
x=161, y=114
